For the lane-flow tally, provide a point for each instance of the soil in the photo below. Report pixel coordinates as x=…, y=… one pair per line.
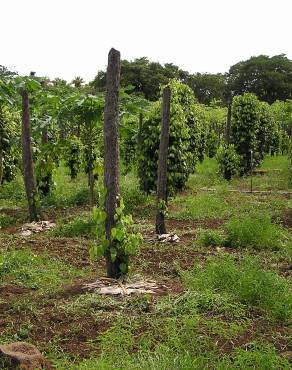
x=287, y=218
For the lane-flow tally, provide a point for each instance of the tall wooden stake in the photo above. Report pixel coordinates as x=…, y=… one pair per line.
x=228, y=122
x=111, y=156
x=27, y=160
x=162, y=163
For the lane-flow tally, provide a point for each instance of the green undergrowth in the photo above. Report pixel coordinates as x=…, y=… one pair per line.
x=79, y=226
x=246, y=282
x=6, y=220
x=256, y=231
x=36, y=271
x=263, y=357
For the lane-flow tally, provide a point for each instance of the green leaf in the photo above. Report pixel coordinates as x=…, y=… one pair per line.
x=113, y=253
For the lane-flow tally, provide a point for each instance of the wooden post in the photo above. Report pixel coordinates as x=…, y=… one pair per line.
x=1, y=148
x=228, y=122
x=27, y=160
x=111, y=154
x=162, y=162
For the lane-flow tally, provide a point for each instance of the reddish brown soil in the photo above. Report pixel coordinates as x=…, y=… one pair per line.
x=11, y=291
x=208, y=223
x=74, y=333
x=287, y=218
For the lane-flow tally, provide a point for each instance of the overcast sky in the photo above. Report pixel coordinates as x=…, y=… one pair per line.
x=67, y=38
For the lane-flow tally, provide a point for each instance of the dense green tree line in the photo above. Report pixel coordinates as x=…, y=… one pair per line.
x=270, y=78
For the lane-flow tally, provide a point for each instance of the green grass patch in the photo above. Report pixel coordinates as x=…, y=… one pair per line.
x=246, y=282
x=6, y=220
x=248, y=231
x=82, y=225
x=258, y=356
x=42, y=272
x=253, y=231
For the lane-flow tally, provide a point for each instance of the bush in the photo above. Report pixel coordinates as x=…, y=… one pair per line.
x=229, y=161
x=246, y=282
x=252, y=128
x=253, y=231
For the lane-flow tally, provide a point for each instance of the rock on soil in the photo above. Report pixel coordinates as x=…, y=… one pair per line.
x=36, y=227
x=24, y=356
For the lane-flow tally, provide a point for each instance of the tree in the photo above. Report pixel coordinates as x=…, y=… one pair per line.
x=270, y=78
x=77, y=81
x=207, y=86
x=162, y=163
x=146, y=77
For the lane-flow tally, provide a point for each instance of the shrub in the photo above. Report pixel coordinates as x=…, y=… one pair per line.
x=229, y=161
x=250, y=125
x=246, y=282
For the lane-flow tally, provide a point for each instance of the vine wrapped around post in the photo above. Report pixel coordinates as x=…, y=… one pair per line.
x=162, y=163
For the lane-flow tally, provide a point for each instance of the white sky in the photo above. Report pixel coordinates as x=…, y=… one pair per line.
x=67, y=38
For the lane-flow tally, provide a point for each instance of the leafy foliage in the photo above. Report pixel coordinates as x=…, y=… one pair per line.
x=267, y=77
x=251, y=126
x=229, y=161
x=123, y=241
x=183, y=150
x=72, y=155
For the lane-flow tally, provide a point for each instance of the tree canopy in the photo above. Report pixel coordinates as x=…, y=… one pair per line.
x=270, y=78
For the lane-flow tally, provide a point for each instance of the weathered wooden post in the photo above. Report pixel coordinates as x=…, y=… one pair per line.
x=228, y=122
x=27, y=160
x=162, y=163
x=111, y=154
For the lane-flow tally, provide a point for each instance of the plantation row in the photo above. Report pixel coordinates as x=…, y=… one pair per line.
x=62, y=122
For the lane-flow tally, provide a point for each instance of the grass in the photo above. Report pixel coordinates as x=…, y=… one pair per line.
x=41, y=272
x=222, y=310
x=248, y=231
x=254, y=231
x=79, y=226
x=246, y=282
x=6, y=220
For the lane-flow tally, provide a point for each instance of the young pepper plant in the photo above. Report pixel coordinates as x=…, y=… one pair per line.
x=124, y=241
